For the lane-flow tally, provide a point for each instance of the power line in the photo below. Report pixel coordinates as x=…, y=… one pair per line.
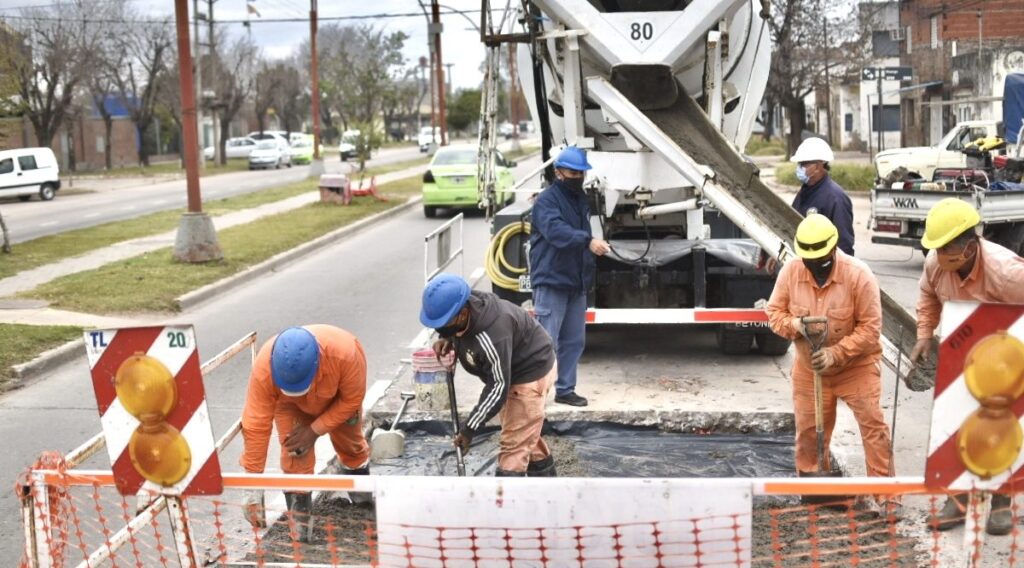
x=383, y=16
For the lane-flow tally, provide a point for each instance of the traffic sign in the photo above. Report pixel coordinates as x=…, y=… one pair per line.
x=886, y=73
x=152, y=404
x=976, y=437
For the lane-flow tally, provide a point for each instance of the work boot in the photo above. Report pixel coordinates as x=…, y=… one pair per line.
x=952, y=513
x=300, y=507
x=572, y=399
x=498, y=472
x=1000, y=517
x=358, y=497
x=542, y=468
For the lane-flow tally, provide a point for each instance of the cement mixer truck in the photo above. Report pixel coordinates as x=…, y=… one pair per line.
x=663, y=94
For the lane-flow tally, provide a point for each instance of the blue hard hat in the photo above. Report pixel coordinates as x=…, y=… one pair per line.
x=573, y=158
x=294, y=361
x=443, y=297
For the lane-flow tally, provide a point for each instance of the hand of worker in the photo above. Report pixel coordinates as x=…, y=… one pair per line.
x=462, y=441
x=809, y=331
x=442, y=347
x=253, y=509
x=599, y=247
x=823, y=359
x=921, y=350
x=771, y=265
x=300, y=440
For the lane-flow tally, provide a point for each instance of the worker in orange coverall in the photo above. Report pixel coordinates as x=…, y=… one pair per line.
x=964, y=266
x=825, y=281
x=308, y=381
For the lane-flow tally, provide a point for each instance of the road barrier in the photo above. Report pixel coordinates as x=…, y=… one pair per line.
x=438, y=251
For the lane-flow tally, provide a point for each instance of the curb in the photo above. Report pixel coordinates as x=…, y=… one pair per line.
x=196, y=297
x=24, y=373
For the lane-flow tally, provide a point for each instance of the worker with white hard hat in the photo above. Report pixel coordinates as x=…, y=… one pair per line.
x=963, y=266
x=819, y=192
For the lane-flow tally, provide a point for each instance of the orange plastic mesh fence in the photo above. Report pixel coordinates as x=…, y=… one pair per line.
x=784, y=533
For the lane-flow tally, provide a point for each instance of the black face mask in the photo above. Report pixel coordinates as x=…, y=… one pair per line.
x=575, y=184
x=820, y=268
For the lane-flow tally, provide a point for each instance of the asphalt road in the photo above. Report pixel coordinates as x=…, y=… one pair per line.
x=34, y=219
x=376, y=296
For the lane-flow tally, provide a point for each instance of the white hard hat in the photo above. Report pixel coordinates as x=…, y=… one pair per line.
x=811, y=150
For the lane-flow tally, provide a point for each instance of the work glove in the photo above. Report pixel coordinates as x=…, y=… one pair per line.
x=462, y=441
x=823, y=359
x=921, y=350
x=253, y=508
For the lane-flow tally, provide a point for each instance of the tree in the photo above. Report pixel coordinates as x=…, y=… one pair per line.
x=59, y=40
x=291, y=100
x=464, y=110
x=268, y=83
x=232, y=85
x=146, y=51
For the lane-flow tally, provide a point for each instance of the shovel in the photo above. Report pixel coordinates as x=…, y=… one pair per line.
x=390, y=443
x=460, y=463
x=824, y=462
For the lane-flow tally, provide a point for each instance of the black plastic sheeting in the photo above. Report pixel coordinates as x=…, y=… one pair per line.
x=605, y=450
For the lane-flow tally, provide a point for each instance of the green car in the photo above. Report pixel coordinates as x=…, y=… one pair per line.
x=451, y=180
x=302, y=150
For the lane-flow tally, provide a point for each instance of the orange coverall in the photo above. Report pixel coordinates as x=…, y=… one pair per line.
x=850, y=300
x=997, y=276
x=332, y=406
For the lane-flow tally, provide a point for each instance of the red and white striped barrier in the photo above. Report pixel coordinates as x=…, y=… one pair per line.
x=598, y=316
x=175, y=348
x=963, y=326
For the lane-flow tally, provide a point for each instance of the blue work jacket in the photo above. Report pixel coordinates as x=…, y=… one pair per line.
x=560, y=237
x=828, y=199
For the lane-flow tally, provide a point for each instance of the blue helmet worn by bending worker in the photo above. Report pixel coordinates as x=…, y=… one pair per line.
x=443, y=297
x=294, y=361
x=573, y=158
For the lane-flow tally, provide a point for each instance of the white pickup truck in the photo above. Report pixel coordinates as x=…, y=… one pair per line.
x=924, y=160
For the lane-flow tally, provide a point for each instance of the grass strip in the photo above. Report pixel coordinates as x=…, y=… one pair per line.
x=21, y=343
x=758, y=146
x=392, y=167
x=166, y=169
x=851, y=177
x=54, y=248
x=151, y=282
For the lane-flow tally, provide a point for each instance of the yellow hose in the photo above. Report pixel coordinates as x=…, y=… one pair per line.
x=497, y=265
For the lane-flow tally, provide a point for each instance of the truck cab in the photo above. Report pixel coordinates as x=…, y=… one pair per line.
x=948, y=153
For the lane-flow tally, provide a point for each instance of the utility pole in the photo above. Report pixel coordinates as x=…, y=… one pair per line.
x=828, y=82
x=435, y=30
x=196, y=240
x=212, y=43
x=317, y=167
x=448, y=76
x=197, y=72
x=881, y=109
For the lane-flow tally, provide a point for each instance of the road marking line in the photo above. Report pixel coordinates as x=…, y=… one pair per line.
x=160, y=202
x=421, y=338
x=48, y=224
x=475, y=276
x=129, y=208
x=91, y=216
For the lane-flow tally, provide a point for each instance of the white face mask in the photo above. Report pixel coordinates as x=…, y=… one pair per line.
x=801, y=174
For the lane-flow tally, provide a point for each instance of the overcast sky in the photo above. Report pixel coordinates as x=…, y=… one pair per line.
x=461, y=44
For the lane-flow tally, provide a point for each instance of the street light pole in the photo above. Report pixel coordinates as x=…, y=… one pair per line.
x=197, y=239
x=317, y=167
x=436, y=29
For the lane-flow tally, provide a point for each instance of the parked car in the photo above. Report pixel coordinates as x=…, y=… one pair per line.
x=427, y=136
x=451, y=180
x=29, y=171
x=302, y=150
x=924, y=160
x=506, y=130
x=234, y=148
x=269, y=154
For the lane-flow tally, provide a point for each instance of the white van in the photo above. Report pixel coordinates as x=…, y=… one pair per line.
x=29, y=171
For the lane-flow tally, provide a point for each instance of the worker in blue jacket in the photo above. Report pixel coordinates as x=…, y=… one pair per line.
x=819, y=192
x=562, y=250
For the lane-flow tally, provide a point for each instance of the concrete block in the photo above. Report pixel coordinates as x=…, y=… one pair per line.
x=387, y=444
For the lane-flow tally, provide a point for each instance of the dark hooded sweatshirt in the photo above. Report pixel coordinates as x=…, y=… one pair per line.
x=504, y=345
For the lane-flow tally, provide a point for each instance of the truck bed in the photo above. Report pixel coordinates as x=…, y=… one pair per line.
x=686, y=124
x=913, y=205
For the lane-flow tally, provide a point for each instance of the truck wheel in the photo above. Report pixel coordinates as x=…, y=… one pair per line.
x=429, y=211
x=46, y=192
x=772, y=345
x=734, y=342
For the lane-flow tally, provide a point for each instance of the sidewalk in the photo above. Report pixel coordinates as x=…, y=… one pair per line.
x=16, y=311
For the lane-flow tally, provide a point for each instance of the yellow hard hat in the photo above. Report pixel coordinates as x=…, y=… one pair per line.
x=947, y=220
x=815, y=237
